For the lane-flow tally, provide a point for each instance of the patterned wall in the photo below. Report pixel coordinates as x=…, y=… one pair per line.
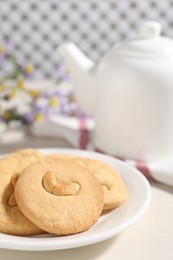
x=37, y=27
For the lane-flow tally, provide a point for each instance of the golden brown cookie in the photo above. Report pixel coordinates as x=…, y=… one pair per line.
x=115, y=192
x=12, y=221
x=59, y=196
x=28, y=152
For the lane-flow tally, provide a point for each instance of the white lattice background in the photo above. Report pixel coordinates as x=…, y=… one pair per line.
x=37, y=27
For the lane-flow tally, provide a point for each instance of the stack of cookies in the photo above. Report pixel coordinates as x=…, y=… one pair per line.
x=57, y=194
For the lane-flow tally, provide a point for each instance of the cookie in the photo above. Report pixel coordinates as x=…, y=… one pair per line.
x=60, y=196
x=12, y=221
x=28, y=152
x=115, y=192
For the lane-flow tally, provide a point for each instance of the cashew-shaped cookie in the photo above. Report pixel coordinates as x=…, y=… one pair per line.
x=60, y=196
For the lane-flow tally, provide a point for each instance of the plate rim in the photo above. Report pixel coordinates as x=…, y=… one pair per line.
x=27, y=245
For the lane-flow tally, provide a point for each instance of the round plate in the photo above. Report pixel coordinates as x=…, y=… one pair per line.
x=109, y=224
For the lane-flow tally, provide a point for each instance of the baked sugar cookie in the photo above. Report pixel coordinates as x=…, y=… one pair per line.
x=28, y=152
x=12, y=221
x=115, y=192
x=60, y=196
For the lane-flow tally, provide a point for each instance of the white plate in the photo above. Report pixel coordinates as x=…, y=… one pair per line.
x=108, y=225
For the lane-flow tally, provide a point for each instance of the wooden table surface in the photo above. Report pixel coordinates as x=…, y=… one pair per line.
x=149, y=238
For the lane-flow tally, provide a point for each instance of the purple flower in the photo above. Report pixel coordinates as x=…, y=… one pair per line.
x=63, y=73
x=29, y=117
x=5, y=50
x=51, y=102
x=38, y=114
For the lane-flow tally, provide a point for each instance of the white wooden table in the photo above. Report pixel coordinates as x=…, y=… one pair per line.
x=150, y=238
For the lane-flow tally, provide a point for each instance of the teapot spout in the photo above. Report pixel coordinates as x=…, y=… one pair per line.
x=82, y=74
x=75, y=58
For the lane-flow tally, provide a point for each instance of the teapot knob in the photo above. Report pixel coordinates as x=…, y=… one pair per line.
x=150, y=29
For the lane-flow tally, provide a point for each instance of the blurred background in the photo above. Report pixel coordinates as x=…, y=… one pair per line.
x=36, y=28
x=30, y=33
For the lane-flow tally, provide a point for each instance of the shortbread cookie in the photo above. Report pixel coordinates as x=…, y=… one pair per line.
x=59, y=196
x=12, y=221
x=115, y=192
x=28, y=152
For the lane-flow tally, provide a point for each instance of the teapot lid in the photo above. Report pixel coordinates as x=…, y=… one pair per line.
x=149, y=44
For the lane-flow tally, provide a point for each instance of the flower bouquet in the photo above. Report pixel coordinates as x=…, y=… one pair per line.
x=28, y=104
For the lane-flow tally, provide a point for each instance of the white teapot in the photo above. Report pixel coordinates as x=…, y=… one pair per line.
x=129, y=94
